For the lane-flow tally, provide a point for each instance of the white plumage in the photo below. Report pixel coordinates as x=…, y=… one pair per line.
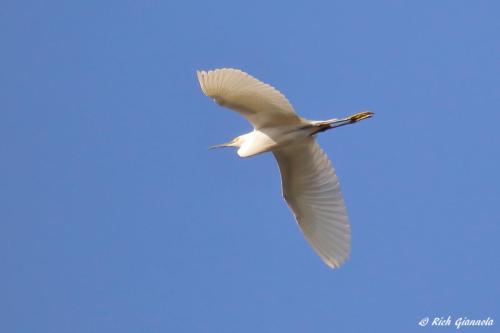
x=308, y=179
x=258, y=102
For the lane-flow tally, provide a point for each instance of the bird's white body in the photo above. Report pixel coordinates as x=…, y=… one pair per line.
x=309, y=183
x=272, y=138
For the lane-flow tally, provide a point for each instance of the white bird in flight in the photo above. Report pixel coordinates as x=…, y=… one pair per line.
x=309, y=184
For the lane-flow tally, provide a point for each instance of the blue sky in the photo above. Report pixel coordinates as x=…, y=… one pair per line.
x=114, y=216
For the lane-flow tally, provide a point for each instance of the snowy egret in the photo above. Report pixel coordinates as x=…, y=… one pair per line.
x=309, y=184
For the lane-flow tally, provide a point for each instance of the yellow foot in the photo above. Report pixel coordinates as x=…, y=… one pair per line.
x=360, y=116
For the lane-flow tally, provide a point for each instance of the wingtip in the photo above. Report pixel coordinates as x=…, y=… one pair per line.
x=201, y=75
x=334, y=264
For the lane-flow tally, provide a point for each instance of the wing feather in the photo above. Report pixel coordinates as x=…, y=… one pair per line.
x=260, y=103
x=312, y=191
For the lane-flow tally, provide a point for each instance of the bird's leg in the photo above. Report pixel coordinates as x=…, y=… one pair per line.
x=332, y=123
x=351, y=119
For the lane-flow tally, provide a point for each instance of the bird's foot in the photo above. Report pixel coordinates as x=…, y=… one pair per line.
x=360, y=116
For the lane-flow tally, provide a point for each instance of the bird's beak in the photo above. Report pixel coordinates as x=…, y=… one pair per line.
x=228, y=144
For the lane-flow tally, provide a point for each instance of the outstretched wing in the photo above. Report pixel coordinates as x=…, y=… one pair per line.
x=261, y=104
x=312, y=191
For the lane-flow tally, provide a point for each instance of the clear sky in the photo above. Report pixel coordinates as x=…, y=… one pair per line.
x=114, y=216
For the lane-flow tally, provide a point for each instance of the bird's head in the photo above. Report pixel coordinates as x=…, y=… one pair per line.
x=236, y=142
